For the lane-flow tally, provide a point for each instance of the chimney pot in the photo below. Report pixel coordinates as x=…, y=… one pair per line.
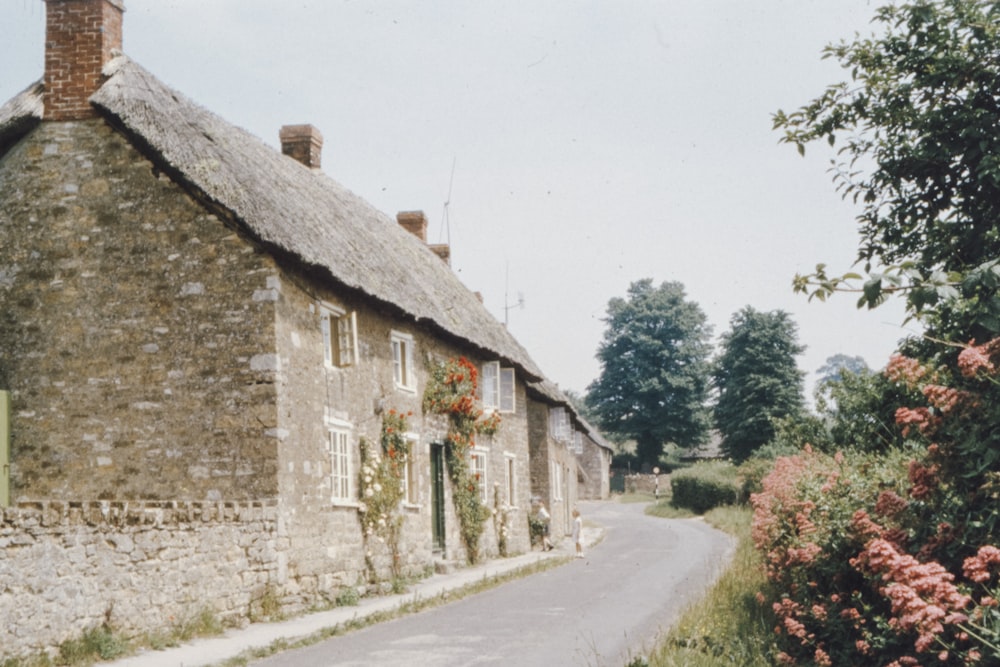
x=303, y=143
x=80, y=37
x=414, y=222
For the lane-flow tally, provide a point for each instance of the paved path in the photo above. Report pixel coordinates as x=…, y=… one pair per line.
x=597, y=611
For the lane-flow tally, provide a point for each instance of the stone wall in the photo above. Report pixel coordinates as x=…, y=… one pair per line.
x=66, y=567
x=137, y=329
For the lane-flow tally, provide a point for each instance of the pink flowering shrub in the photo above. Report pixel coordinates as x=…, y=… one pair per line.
x=891, y=559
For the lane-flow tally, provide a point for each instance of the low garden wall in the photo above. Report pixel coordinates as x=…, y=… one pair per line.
x=67, y=567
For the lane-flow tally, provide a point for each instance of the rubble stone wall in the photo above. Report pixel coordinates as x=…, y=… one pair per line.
x=66, y=567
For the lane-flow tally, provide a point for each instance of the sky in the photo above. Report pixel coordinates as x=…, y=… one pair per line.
x=564, y=148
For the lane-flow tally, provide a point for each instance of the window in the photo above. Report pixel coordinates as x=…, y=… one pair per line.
x=340, y=464
x=489, y=381
x=402, y=360
x=506, y=390
x=556, y=480
x=340, y=336
x=577, y=445
x=559, y=426
x=411, y=489
x=497, y=387
x=510, y=480
x=477, y=467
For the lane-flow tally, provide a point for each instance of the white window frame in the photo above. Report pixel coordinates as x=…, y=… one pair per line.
x=340, y=336
x=489, y=385
x=577, y=445
x=411, y=479
x=497, y=386
x=559, y=426
x=338, y=446
x=508, y=390
x=478, y=466
x=402, y=361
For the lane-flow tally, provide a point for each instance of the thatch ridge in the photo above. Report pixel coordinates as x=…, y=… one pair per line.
x=299, y=211
x=19, y=114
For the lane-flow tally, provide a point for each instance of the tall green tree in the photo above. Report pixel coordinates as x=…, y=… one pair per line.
x=915, y=129
x=654, y=379
x=757, y=379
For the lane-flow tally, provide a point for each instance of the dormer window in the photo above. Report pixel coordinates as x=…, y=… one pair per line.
x=340, y=336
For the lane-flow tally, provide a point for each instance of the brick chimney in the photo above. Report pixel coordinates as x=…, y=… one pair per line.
x=79, y=38
x=303, y=143
x=414, y=222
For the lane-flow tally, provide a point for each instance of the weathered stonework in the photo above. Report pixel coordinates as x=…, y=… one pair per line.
x=558, y=493
x=134, y=349
x=67, y=567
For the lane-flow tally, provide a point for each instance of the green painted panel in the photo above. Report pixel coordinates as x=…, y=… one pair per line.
x=4, y=448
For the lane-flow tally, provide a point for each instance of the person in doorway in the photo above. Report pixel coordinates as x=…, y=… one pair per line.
x=578, y=533
x=543, y=517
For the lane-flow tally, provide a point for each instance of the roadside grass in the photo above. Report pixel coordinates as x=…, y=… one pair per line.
x=728, y=626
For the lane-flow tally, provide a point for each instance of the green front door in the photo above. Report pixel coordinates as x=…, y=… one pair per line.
x=437, y=496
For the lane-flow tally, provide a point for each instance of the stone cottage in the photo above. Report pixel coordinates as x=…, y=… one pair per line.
x=200, y=334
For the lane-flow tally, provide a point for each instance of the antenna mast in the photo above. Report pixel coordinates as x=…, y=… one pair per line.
x=445, y=221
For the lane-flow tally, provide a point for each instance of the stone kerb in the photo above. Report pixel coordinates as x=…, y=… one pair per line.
x=66, y=567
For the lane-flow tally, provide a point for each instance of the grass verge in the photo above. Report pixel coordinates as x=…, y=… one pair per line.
x=728, y=626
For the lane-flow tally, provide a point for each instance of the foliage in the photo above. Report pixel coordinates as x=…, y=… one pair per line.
x=381, y=484
x=867, y=564
x=918, y=149
x=756, y=378
x=653, y=384
x=451, y=391
x=835, y=366
x=99, y=643
x=859, y=409
x=705, y=485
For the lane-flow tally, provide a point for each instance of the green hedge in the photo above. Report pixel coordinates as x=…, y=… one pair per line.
x=705, y=485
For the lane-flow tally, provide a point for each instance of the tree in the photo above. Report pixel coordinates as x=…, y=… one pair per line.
x=756, y=379
x=653, y=385
x=918, y=147
x=835, y=366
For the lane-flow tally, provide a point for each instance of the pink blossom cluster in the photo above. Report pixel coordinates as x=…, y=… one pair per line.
x=923, y=595
x=906, y=371
x=977, y=568
x=975, y=358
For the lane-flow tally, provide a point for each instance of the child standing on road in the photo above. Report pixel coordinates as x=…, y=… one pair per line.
x=578, y=533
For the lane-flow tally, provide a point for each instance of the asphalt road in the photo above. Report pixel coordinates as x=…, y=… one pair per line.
x=598, y=611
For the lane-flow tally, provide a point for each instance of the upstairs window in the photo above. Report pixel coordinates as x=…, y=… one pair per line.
x=559, y=426
x=340, y=336
x=402, y=361
x=497, y=386
x=507, y=390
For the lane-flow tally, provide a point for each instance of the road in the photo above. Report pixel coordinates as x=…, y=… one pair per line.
x=598, y=611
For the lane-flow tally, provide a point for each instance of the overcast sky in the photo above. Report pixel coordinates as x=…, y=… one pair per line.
x=581, y=145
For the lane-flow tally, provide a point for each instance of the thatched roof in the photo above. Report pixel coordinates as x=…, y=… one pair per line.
x=284, y=205
x=19, y=114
